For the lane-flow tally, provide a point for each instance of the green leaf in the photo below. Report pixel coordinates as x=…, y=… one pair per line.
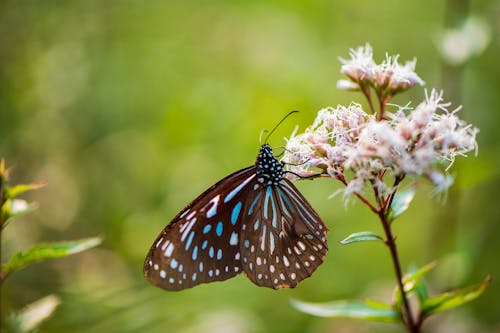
x=367, y=310
x=400, y=203
x=14, y=191
x=454, y=298
x=421, y=290
x=17, y=207
x=363, y=236
x=413, y=281
x=47, y=251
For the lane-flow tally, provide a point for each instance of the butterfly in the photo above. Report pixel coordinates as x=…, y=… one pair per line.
x=253, y=221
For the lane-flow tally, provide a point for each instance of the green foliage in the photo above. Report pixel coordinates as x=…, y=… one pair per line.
x=14, y=191
x=364, y=236
x=28, y=319
x=366, y=310
x=48, y=251
x=400, y=203
x=414, y=281
x=454, y=298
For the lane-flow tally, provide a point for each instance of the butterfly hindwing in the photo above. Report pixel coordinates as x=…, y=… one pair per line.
x=201, y=244
x=283, y=240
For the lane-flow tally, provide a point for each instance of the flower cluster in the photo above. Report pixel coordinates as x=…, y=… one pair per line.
x=387, y=78
x=405, y=143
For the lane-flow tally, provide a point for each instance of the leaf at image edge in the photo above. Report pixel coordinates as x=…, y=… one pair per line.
x=350, y=309
x=48, y=251
x=452, y=299
x=363, y=236
x=14, y=191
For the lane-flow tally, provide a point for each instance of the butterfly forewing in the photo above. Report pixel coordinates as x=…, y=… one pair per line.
x=282, y=238
x=201, y=244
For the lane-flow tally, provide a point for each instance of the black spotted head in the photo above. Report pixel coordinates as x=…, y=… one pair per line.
x=269, y=169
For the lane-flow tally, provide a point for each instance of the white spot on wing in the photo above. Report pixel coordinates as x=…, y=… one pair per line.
x=213, y=208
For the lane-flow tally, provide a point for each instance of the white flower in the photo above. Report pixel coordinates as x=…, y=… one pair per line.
x=347, y=138
x=361, y=65
x=387, y=78
x=393, y=77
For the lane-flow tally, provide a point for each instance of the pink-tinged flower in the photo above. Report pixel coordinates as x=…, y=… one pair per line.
x=411, y=143
x=361, y=65
x=387, y=78
x=392, y=78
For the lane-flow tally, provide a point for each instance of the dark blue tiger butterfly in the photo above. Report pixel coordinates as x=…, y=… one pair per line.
x=253, y=221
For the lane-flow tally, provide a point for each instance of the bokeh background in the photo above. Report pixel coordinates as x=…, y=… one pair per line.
x=129, y=109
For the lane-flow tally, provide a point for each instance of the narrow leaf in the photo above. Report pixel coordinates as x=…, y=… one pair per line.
x=16, y=190
x=413, y=281
x=454, y=298
x=363, y=236
x=421, y=290
x=48, y=251
x=400, y=203
x=368, y=310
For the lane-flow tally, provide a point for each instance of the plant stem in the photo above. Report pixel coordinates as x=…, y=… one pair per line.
x=390, y=241
x=366, y=93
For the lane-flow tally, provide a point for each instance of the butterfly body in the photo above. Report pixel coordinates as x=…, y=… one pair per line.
x=253, y=221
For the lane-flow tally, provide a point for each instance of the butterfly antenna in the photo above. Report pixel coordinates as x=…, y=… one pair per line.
x=275, y=127
x=262, y=133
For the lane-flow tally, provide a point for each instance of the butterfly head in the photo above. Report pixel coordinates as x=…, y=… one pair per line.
x=269, y=169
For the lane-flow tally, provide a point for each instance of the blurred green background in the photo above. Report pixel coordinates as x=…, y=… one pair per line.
x=130, y=109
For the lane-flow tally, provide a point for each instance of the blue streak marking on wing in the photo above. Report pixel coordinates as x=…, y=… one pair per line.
x=254, y=202
x=275, y=218
x=219, y=228
x=301, y=209
x=266, y=200
x=195, y=253
x=207, y=228
x=256, y=225
x=282, y=203
x=238, y=188
x=235, y=213
x=271, y=242
x=204, y=244
x=219, y=254
x=189, y=240
x=287, y=200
